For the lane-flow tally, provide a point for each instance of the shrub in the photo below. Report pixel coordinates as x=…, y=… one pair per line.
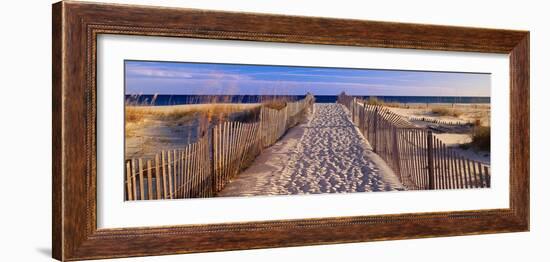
x=481, y=138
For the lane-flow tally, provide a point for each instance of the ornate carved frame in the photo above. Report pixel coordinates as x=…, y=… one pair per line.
x=76, y=26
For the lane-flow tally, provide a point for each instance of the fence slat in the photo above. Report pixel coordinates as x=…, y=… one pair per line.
x=164, y=175
x=184, y=172
x=401, y=156
x=430, y=160
x=181, y=168
x=422, y=142
x=170, y=184
x=410, y=154
x=227, y=143
x=235, y=148
x=449, y=183
x=194, y=173
x=471, y=166
x=204, y=167
x=467, y=183
x=223, y=155
x=199, y=169
x=217, y=161
x=480, y=172
x=456, y=170
x=440, y=177
x=426, y=157
x=473, y=179
x=129, y=190
x=233, y=152
x=419, y=159
x=157, y=176
x=141, y=184
x=149, y=180
x=487, y=176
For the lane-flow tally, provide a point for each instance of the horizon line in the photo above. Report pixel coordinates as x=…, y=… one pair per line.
x=140, y=94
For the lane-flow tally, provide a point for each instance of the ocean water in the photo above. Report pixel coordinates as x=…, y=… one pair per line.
x=162, y=100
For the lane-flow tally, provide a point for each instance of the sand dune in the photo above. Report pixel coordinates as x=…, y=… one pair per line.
x=150, y=128
x=325, y=155
x=466, y=113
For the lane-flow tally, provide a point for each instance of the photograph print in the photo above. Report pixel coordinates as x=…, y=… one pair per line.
x=200, y=130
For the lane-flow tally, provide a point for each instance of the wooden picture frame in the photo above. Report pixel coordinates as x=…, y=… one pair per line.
x=76, y=26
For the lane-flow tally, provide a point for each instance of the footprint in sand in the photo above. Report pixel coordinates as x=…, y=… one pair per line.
x=334, y=155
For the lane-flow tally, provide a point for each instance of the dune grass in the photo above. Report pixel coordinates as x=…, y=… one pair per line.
x=136, y=113
x=137, y=116
x=217, y=109
x=445, y=111
x=379, y=102
x=375, y=101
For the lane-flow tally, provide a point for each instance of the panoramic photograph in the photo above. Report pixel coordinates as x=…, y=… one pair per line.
x=198, y=130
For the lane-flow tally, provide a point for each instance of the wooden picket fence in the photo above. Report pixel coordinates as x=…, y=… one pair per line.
x=274, y=123
x=441, y=122
x=419, y=159
x=203, y=168
x=233, y=144
x=171, y=174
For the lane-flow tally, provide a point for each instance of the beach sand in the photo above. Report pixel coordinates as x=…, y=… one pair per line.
x=325, y=155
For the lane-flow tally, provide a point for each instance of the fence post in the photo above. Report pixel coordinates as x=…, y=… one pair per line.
x=431, y=178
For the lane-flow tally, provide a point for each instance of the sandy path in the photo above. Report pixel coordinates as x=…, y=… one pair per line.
x=325, y=155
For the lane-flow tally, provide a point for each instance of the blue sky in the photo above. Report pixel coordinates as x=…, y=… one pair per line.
x=233, y=79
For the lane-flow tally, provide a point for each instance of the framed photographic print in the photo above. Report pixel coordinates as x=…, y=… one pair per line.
x=181, y=130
